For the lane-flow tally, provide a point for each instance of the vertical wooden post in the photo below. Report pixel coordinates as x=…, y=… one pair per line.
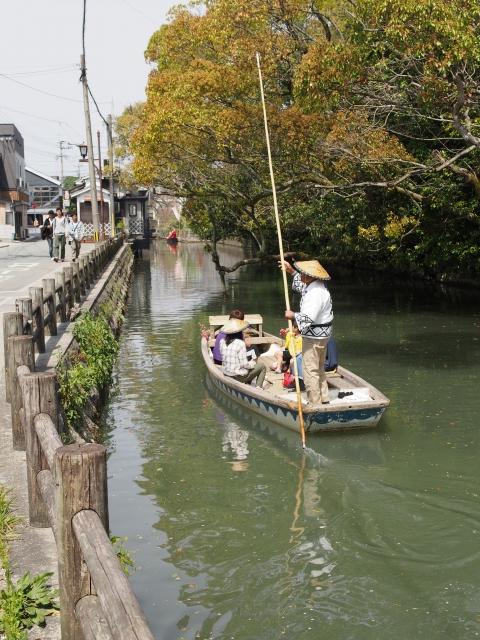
x=12, y=326
x=82, y=275
x=76, y=281
x=69, y=288
x=60, y=283
x=36, y=293
x=81, y=477
x=24, y=306
x=38, y=397
x=49, y=288
x=21, y=353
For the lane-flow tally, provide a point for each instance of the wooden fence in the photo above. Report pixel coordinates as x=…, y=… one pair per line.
x=67, y=484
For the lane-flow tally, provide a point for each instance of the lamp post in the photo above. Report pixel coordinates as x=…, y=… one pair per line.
x=83, y=149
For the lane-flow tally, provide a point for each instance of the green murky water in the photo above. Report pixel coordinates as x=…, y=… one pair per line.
x=239, y=534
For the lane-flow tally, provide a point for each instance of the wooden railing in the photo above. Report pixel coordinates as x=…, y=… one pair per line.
x=67, y=490
x=67, y=484
x=58, y=295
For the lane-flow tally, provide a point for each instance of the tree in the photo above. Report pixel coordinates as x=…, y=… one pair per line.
x=372, y=115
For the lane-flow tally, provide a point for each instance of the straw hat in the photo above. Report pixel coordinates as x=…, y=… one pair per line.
x=312, y=268
x=234, y=326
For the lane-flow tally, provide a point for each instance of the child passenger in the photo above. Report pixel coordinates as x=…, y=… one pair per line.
x=234, y=355
x=293, y=339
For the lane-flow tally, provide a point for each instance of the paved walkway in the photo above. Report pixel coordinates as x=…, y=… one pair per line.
x=22, y=265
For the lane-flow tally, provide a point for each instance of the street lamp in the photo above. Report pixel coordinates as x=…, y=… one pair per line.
x=83, y=152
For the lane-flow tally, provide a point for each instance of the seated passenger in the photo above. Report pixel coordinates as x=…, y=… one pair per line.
x=221, y=335
x=290, y=339
x=234, y=355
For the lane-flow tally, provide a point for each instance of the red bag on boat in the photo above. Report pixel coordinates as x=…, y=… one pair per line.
x=288, y=380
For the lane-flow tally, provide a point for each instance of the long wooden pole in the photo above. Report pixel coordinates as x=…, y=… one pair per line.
x=282, y=258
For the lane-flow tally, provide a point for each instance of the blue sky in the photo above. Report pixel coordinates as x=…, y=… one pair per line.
x=41, y=46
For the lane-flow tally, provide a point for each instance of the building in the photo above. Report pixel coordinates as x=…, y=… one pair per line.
x=131, y=209
x=82, y=198
x=14, y=195
x=45, y=193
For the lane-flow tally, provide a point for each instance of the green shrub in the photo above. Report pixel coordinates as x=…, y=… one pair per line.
x=90, y=368
x=25, y=603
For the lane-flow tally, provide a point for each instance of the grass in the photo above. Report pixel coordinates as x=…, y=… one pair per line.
x=29, y=600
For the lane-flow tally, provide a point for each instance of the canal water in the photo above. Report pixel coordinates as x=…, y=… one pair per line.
x=239, y=534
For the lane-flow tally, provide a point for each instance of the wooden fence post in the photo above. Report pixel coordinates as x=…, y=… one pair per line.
x=36, y=293
x=60, y=285
x=24, y=306
x=69, y=297
x=49, y=288
x=81, y=478
x=39, y=396
x=82, y=275
x=12, y=326
x=21, y=353
x=76, y=281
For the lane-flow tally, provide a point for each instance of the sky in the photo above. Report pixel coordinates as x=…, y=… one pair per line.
x=40, y=46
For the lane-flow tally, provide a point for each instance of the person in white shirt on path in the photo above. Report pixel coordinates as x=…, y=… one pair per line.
x=314, y=320
x=76, y=231
x=59, y=226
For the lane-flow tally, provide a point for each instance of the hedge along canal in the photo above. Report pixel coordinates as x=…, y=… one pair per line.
x=237, y=534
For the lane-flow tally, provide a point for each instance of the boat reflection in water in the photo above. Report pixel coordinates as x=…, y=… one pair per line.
x=359, y=447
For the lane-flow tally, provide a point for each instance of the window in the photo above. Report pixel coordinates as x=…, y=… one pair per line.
x=132, y=210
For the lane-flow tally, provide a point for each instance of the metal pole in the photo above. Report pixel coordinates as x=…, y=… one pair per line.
x=61, y=172
x=100, y=177
x=111, y=187
x=91, y=165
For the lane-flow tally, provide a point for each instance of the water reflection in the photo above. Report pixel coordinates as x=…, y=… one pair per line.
x=240, y=534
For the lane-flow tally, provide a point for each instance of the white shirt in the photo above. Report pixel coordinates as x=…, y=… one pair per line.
x=315, y=308
x=59, y=226
x=234, y=358
x=76, y=230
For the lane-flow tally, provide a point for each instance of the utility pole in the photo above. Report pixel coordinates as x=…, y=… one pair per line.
x=110, y=160
x=100, y=178
x=91, y=164
x=61, y=143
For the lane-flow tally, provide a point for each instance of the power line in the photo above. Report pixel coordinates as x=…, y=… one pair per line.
x=62, y=123
x=51, y=70
x=46, y=93
x=96, y=105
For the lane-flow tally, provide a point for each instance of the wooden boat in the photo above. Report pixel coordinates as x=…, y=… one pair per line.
x=354, y=403
x=172, y=240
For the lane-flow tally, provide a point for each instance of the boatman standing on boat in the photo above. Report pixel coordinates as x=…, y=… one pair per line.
x=314, y=320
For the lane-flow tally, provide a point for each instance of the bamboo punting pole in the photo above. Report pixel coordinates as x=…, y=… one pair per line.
x=282, y=258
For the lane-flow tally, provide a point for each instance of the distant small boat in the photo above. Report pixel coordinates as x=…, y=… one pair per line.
x=171, y=240
x=354, y=403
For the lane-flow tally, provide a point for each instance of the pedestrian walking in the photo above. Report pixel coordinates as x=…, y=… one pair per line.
x=46, y=232
x=76, y=231
x=59, y=225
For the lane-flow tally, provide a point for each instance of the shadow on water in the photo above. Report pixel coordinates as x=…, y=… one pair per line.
x=237, y=532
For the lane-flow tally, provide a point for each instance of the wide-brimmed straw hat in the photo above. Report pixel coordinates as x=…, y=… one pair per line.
x=312, y=268
x=234, y=325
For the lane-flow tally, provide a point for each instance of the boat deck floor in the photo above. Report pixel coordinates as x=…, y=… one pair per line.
x=335, y=382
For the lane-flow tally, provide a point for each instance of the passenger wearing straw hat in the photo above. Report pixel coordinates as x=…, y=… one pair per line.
x=314, y=320
x=234, y=355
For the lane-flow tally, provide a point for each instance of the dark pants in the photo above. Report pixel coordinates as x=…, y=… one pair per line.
x=49, y=240
x=59, y=246
x=75, y=244
x=259, y=371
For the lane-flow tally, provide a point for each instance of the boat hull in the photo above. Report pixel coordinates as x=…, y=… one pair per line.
x=334, y=419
